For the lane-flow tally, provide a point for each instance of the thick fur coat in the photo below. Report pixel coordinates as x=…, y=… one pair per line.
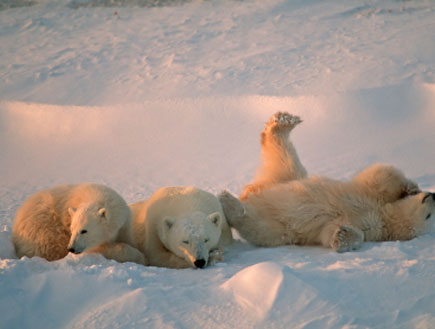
x=75, y=218
x=181, y=227
x=284, y=206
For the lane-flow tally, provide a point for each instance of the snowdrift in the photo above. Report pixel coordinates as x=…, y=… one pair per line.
x=215, y=141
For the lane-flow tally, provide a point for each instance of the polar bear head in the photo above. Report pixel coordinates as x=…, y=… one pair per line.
x=412, y=216
x=192, y=236
x=91, y=225
x=386, y=182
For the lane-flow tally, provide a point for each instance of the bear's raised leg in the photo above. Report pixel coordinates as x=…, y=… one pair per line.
x=256, y=230
x=341, y=238
x=280, y=162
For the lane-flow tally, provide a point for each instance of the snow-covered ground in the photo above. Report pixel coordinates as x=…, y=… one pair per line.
x=143, y=94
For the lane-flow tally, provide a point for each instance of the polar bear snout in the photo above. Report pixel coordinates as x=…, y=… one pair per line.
x=200, y=263
x=77, y=243
x=75, y=249
x=196, y=254
x=72, y=250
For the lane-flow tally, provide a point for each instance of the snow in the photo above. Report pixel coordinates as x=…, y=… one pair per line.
x=144, y=94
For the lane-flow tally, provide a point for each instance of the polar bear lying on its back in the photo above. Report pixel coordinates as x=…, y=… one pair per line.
x=180, y=227
x=283, y=206
x=76, y=218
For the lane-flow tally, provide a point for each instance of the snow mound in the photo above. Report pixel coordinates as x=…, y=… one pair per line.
x=267, y=291
x=74, y=282
x=250, y=291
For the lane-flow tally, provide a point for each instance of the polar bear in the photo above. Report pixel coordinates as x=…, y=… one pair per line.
x=284, y=206
x=88, y=218
x=180, y=227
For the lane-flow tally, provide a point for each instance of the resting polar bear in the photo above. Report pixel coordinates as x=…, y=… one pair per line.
x=282, y=206
x=180, y=227
x=76, y=218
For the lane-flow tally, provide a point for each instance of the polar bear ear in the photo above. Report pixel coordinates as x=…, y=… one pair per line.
x=215, y=218
x=169, y=222
x=71, y=211
x=102, y=213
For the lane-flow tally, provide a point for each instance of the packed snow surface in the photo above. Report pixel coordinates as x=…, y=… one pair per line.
x=141, y=94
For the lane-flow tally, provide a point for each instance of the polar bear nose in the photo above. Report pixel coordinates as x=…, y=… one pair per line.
x=199, y=263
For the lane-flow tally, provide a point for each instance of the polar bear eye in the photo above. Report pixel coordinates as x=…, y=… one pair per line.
x=428, y=216
x=83, y=231
x=206, y=240
x=185, y=241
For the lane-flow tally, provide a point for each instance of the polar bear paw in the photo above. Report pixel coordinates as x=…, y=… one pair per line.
x=282, y=122
x=347, y=238
x=215, y=256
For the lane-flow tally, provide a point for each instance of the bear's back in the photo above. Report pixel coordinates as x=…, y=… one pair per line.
x=177, y=200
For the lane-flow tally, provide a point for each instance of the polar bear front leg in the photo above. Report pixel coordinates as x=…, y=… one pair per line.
x=121, y=252
x=342, y=238
x=164, y=258
x=280, y=162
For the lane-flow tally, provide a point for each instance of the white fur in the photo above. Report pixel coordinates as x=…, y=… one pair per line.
x=81, y=218
x=180, y=227
x=283, y=206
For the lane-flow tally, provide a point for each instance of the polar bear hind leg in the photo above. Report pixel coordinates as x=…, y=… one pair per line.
x=280, y=162
x=254, y=229
x=341, y=238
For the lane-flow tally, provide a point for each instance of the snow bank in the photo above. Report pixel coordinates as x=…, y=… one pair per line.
x=341, y=134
